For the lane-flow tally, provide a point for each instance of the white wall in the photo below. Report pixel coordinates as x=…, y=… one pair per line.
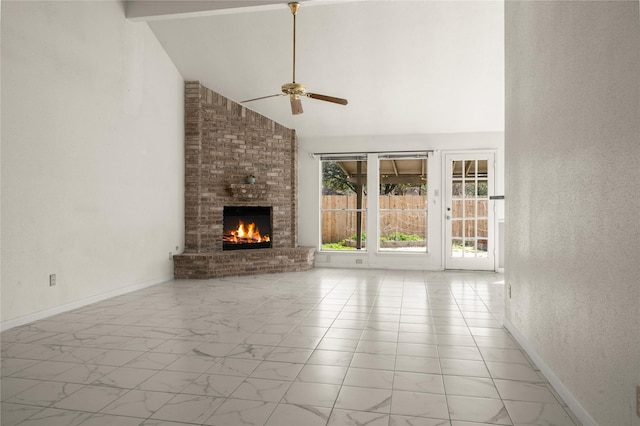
x=309, y=191
x=572, y=177
x=92, y=156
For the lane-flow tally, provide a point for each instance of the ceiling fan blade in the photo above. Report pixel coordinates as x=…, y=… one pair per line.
x=327, y=98
x=262, y=97
x=296, y=106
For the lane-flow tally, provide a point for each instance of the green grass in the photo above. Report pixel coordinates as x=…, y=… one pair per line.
x=363, y=235
x=396, y=236
x=336, y=246
x=399, y=236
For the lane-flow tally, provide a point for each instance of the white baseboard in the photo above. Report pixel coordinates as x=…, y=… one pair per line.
x=336, y=265
x=557, y=384
x=16, y=322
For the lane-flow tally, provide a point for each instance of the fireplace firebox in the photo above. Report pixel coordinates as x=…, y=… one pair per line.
x=246, y=228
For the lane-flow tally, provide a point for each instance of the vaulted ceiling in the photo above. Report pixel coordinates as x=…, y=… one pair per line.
x=406, y=67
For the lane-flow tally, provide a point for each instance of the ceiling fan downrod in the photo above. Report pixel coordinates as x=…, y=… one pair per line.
x=294, y=6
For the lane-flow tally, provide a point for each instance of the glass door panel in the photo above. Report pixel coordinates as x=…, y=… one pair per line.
x=468, y=217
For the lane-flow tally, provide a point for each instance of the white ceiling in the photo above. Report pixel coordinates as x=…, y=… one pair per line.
x=406, y=67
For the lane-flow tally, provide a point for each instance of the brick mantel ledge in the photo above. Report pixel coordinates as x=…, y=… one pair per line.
x=243, y=262
x=245, y=191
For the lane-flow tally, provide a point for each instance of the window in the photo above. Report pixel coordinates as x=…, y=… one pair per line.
x=403, y=203
x=398, y=215
x=343, y=206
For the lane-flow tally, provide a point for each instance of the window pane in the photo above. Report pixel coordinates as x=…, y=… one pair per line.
x=456, y=190
x=456, y=208
x=456, y=228
x=483, y=189
x=483, y=208
x=469, y=208
x=403, y=204
x=482, y=168
x=470, y=169
x=482, y=248
x=457, y=169
x=344, y=204
x=470, y=228
x=470, y=189
x=456, y=248
x=469, y=248
x=483, y=230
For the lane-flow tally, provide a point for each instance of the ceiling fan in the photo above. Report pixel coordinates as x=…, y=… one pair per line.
x=296, y=90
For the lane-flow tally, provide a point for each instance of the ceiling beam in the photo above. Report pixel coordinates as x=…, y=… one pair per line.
x=395, y=167
x=156, y=10
x=408, y=179
x=153, y=10
x=343, y=168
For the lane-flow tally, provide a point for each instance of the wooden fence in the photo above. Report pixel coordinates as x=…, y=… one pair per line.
x=338, y=225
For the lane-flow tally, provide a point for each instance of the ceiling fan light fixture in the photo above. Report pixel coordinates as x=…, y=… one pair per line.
x=296, y=105
x=294, y=89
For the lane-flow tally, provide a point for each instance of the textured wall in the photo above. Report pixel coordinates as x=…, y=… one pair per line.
x=92, y=154
x=572, y=206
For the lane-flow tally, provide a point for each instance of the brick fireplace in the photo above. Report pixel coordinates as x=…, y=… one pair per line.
x=224, y=143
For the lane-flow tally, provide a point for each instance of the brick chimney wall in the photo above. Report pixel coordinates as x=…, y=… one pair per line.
x=225, y=142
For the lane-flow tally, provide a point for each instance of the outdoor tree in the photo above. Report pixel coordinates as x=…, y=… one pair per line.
x=335, y=180
x=403, y=189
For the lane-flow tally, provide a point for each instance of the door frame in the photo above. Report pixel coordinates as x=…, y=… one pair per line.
x=475, y=264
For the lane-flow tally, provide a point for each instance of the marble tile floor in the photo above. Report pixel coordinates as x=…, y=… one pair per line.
x=322, y=347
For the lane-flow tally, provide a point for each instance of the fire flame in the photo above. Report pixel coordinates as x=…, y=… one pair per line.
x=250, y=234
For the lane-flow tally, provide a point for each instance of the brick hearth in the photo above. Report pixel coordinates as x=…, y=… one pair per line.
x=225, y=142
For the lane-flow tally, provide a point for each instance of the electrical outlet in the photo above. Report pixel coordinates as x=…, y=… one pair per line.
x=52, y=280
x=170, y=255
x=358, y=261
x=509, y=290
x=638, y=401
x=328, y=258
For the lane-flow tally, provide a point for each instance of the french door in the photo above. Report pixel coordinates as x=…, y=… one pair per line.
x=469, y=216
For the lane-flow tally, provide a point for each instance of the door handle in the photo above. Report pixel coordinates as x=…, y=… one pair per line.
x=448, y=217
